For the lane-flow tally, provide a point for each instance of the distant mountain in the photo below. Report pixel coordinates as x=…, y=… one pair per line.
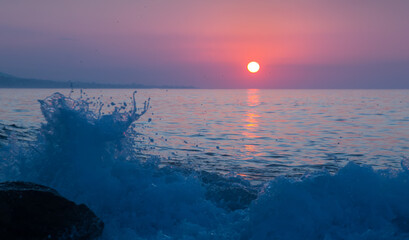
x=10, y=81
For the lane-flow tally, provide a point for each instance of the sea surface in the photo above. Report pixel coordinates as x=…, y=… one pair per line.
x=260, y=134
x=218, y=164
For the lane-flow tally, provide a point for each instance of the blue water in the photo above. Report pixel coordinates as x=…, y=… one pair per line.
x=218, y=164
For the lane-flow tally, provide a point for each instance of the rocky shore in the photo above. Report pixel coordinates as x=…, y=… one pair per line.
x=32, y=211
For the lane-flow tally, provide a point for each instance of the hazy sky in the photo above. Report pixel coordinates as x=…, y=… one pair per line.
x=299, y=44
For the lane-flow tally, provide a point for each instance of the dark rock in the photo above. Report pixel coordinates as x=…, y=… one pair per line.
x=32, y=211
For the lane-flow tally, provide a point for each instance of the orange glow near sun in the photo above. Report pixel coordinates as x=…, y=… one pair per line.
x=253, y=67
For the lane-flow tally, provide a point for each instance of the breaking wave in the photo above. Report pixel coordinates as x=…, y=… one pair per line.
x=90, y=158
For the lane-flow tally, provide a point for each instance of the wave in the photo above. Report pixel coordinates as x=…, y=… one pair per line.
x=91, y=158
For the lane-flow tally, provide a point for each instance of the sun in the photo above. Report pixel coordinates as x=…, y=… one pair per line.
x=253, y=67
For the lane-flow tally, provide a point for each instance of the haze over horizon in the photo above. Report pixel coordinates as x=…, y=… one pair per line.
x=299, y=44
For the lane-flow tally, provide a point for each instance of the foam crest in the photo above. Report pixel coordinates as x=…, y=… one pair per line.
x=65, y=112
x=355, y=203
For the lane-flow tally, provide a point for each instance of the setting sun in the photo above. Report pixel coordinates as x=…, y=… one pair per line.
x=253, y=67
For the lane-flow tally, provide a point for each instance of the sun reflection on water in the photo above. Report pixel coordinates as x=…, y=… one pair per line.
x=251, y=120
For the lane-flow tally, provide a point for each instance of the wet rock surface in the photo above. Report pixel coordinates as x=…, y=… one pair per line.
x=32, y=211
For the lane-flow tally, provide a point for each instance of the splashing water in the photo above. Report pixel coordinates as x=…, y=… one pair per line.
x=90, y=158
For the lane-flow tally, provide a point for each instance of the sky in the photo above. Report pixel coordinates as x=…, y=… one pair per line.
x=207, y=44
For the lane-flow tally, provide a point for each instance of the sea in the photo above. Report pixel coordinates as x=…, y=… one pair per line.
x=217, y=163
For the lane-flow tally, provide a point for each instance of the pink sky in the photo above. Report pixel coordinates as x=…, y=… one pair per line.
x=299, y=44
